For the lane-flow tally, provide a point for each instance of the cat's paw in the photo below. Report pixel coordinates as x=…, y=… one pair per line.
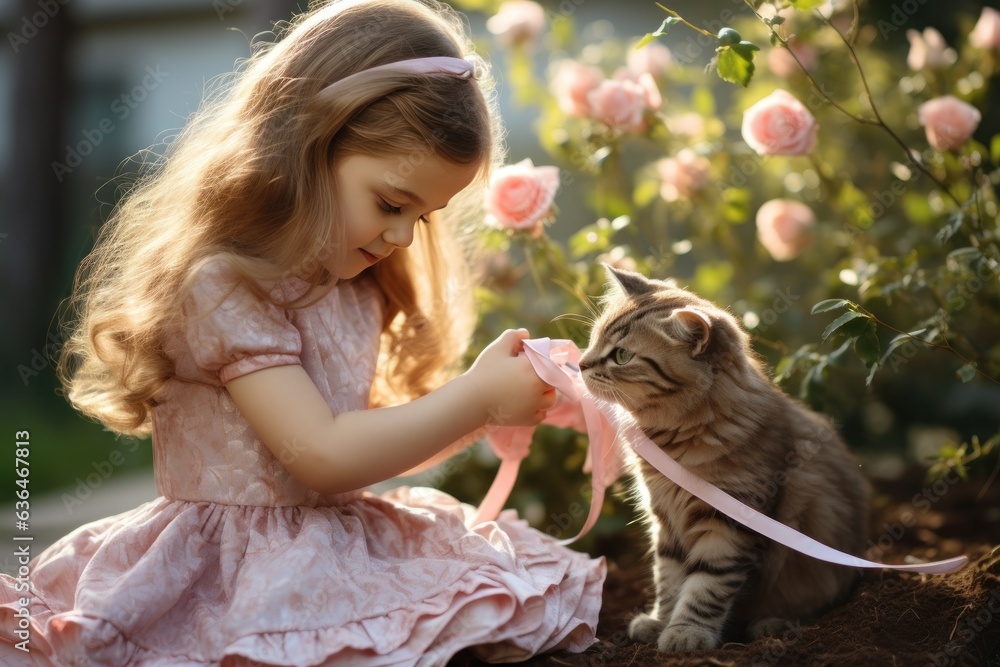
x=683, y=638
x=769, y=627
x=646, y=629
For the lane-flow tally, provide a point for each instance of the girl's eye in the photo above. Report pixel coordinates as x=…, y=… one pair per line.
x=622, y=356
x=389, y=208
x=396, y=210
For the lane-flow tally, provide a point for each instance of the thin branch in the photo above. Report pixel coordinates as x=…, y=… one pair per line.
x=941, y=346
x=812, y=80
x=778, y=345
x=681, y=19
x=881, y=123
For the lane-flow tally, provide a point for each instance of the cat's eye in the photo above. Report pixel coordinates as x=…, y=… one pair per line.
x=622, y=356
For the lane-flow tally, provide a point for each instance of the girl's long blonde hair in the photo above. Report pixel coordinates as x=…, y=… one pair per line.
x=250, y=180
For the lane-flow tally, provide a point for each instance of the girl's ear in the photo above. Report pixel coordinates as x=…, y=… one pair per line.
x=693, y=326
x=629, y=283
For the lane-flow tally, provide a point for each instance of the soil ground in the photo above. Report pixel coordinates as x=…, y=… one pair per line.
x=892, y=619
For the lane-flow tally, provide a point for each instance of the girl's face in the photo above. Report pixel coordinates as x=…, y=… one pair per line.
x=383, y=198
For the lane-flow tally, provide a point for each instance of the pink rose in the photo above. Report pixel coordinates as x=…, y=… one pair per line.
x=517, y=22
x=948, y=121
x=928, y=50
x=683, y=175
x=780, y=125
x=781, y=63
x=986, y=34
x=785, y=228
x=571, y=84
x=622, y=104
x=520, y=196
x=653, y=58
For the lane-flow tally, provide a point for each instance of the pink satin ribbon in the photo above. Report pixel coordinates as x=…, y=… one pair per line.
x=556, y=362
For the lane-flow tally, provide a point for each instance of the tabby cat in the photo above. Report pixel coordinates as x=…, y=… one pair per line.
x=683, y=368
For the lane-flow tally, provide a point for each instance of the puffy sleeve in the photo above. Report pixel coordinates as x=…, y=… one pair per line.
x=230, y=331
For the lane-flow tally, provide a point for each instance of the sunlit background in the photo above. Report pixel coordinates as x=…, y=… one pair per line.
x=84, y=85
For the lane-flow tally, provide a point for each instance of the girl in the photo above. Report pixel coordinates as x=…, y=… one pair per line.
x=287, y=267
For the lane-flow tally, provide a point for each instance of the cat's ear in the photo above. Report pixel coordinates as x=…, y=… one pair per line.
x=694, y=326
x=631, y=283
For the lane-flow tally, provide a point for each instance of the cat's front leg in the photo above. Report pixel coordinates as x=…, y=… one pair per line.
x=717, y=569
x=668, y=576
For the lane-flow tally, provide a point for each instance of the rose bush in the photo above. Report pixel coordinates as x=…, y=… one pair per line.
x=855, y=174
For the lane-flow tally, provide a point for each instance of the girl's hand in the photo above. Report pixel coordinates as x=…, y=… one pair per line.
x=505, y=385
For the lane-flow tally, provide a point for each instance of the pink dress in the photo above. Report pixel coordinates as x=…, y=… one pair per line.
x=236, y=563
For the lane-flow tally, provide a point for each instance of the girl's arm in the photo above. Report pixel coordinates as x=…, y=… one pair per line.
x=333, y=454
x=448, y=452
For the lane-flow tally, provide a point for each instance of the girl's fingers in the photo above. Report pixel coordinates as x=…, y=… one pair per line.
x=549, y=396
x=512, y=340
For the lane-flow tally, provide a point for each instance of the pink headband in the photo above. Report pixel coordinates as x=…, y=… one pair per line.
x=459, y=67
x=431, y=65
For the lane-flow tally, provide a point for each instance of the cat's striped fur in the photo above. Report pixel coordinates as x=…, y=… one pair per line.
x=685, y=371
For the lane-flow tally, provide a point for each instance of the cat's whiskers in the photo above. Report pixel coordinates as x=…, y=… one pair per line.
x=576, y=317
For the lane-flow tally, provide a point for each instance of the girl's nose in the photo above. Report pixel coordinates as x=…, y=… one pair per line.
x=400, y=234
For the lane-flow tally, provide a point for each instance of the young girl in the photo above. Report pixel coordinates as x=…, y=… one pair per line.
x=278, y=303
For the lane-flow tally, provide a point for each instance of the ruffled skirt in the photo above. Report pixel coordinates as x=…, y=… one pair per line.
x=397, y=579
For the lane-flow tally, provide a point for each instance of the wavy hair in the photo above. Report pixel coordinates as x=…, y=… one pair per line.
x=250, y=179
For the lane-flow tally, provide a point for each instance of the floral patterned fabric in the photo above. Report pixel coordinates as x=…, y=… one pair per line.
x=236, y=563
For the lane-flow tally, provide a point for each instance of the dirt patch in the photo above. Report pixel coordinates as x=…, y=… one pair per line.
x=892, y=619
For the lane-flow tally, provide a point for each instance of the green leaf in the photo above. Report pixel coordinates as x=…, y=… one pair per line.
x=841, y=321
x=660, y=32
x=855, y=327
x=737, y=205
x=813, y=389
x=964, y=255
x=807, y=4
x=645, y=192
x=899, y=341
x=646, y=39
x=995, y=149
x=837, y=357
x=829, y=304
x=950, y=229
x=736, y=62
x=788, y=365
x=967, y=372
x=867, y=346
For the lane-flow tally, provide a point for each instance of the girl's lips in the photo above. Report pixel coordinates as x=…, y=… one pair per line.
x=370, y=257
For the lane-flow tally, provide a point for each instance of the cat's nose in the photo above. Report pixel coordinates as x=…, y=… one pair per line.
x=584, y=365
